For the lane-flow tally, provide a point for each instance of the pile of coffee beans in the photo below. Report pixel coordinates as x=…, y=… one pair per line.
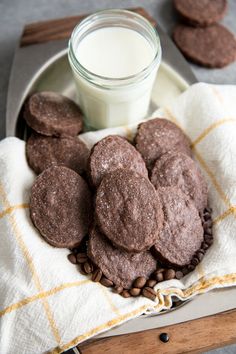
x=208, y=241
x=141, y=285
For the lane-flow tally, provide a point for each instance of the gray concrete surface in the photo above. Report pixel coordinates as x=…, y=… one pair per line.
x=14, y=14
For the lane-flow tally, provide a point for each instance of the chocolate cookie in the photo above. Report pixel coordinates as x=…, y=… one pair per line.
x=179, y=170
x=111, y=153
x=201, y=12
x=119, y=266
x=212, y=46
x=43, y=151
x=52, y=114
x=60, y=206
x=128, y=210
x=158, y=136
x=182, y=233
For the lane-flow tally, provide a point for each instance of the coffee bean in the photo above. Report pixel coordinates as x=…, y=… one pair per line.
x=151, y=283
x=209, y=241
x=125, y=293
x=169, y=274
x=195, y=261
x=82, y=271
x=200, y=255
x=207, y=216
x=106, y=282
x=159, y=277
x=204, y=246
x=139, y=282
x=149, y=293
x=81, y=257
x=208, y=231
x=185, y=270
x=159, y=270
x=207, y=225
x=118, y=289
x=135, y=291
x=208, y=237
x=88, y=267
x=97, y=274
x=191, y=267
x=179, y=274
x=158, y=274
x=208, y=209
x=72, y=258
x=164, y=337
x=205, y=212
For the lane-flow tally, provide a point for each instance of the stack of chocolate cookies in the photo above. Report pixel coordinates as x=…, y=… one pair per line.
x=133, y=215
x=151, y=220
x=54, y=121
x=200, y=38
x=61, y=202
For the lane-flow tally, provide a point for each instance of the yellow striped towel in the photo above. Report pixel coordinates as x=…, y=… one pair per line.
x=46, y=305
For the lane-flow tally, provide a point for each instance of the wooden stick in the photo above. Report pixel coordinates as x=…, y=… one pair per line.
x=46, y=31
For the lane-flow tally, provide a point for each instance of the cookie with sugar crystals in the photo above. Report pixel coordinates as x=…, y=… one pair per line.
x=61, y=206
x=49, y=113
x=121, y=267
x=114, y=152
x=44, y=151
x=201, y=12
x=157, y=136
x=213, y=46
x=179, y=170
x=128, y=210
x=182, y=232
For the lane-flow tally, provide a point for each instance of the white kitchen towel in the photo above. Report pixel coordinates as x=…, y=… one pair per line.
x=46, y=305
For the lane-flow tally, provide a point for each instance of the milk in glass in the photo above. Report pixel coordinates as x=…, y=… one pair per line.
x=114, y=69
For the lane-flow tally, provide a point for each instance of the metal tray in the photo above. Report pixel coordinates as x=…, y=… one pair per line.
x=45, y=67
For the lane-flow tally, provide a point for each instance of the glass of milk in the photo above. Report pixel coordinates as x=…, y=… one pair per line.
x=114, y=56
